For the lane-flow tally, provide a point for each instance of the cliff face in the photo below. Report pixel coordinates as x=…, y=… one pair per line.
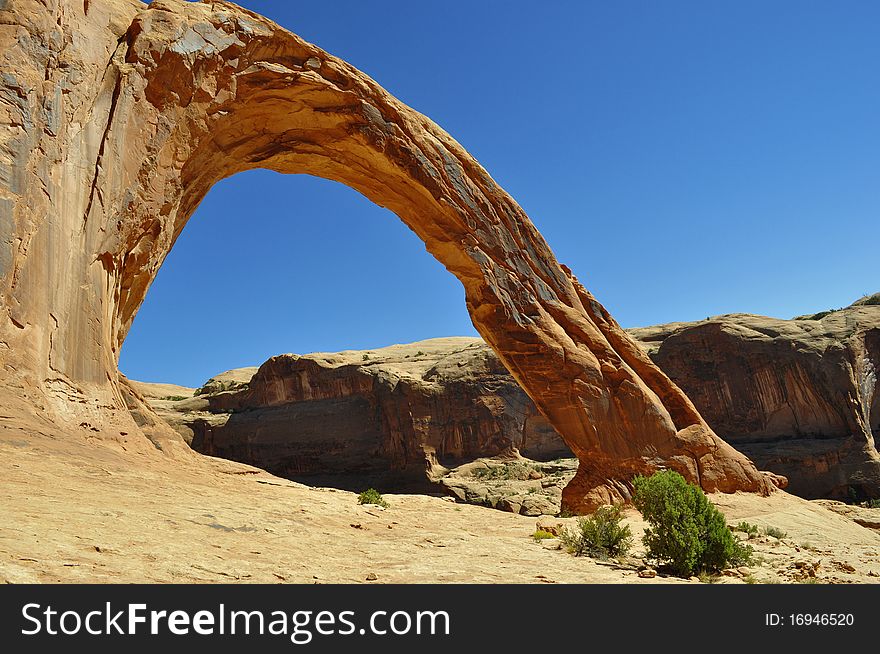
x=117, y=117
x=800, y=397
x=391, y=418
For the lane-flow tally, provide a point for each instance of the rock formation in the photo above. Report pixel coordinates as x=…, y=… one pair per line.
x=800, y=397
x=118, y=117
x=395, y=418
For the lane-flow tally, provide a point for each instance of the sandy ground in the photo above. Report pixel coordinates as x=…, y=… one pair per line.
x=76, y=510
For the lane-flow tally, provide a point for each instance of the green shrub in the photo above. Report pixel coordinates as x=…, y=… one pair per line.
x=372, y=496
x=511, y=471
x=873, y=504
x=743, y=554
x=868, y=300
x=599, y=536
x=685, y=531
x=747, y=528
x=175, y=398
x=540, y=535
x=775, y=532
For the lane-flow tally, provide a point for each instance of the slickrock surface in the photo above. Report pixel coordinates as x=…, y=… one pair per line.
x=800, y=397
x=89, y=511
x=117, y=117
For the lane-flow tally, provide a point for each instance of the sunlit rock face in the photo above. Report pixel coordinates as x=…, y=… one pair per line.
x=394, y=418
x=118, y=117
x=800, y=397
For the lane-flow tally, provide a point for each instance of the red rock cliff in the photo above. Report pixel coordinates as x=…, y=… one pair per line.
x=116, y=118
x=800, y=397
x=386, y=418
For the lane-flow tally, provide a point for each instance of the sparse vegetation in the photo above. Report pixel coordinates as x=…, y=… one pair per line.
x=868, y=300
x=873, y=504
x=747, y=528
x=366, y=357
x=175, y=398
x=706, y=578
x=750, y=579
x=686, y=532
x=818, y=316
x=599, y=536
x=372, y=496
x=775, y=532
x=420, y=353
x=743, y=554
x=511, y=471
x=540, y=535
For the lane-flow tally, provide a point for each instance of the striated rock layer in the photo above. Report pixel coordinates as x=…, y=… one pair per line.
x=800, y=397
x=394, y=418
x=118, y=117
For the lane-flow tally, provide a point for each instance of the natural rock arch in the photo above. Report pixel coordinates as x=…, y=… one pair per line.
x=118, y=119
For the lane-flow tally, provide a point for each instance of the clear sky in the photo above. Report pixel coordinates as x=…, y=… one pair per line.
x=684, y=158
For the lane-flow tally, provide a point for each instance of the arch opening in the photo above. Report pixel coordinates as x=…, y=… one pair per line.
x=196, y=92
x=273, y=263
x=270, y=264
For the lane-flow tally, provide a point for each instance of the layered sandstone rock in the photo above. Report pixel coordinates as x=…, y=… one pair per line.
x=117, y=117
x=800, y=397
x=394, y=418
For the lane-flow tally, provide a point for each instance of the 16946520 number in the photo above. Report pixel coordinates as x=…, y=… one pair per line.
x=809, y=620
x=821, y=619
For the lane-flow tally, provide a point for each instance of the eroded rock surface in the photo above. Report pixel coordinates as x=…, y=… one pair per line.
x=800, y=397
x=395, y=418
x=118, y=117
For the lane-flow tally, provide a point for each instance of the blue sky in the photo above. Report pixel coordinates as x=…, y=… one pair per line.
x=685, y=159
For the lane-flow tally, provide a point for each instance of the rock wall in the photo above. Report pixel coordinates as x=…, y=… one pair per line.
x=118, y=117
x=800, y=397
x=394, y=418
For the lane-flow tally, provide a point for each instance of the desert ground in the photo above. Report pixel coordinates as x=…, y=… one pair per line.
x=82, y=510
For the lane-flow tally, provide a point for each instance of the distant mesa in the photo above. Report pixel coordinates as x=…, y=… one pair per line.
x=798, y=397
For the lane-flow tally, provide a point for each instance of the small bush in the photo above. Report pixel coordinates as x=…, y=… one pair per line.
x=747, y=528
x=511, y=471
x=868, y=300
x=372, y=496
x=706, y=578
x=599, y=536
x=873, y=504
x=743, y=554
x=540, y=535
x=366, y=357
x=775, y=532
x=175, y=398
x=685, y=531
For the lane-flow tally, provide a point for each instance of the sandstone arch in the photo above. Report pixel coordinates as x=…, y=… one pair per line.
x=119, y=117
